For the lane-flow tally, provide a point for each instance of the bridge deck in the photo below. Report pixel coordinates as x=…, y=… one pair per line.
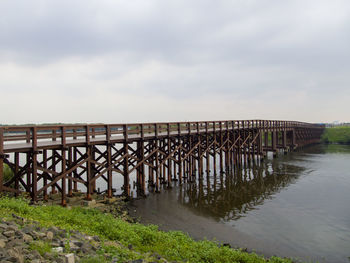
x=20, y=139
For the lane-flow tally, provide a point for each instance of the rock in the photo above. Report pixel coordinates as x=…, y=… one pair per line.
x=2, y=243
x=78, y=243
x=36, y=261
x=85, y=248
x=3, y=253
x=48, y=256
x=27, y=229
x=111, y=200
x=16, y=253
x=12, y=259
x=53, y=229
x=57, y=249
x=56, y=243
x=69, y=258
x=38, y=235
x=18, y=234
x=73, y=246
x=17, y=217
x=18, y=242
x=96, y=238
x=27, y=238
x=49, y=235
x=3, y=226
x=9, y=233
x=89, y=238
x=88, y=203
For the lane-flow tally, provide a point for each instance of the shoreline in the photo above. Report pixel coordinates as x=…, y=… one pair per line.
x=116, y=240
x=175, y=217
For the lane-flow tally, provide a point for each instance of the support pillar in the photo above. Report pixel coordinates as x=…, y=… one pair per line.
x=2, y=156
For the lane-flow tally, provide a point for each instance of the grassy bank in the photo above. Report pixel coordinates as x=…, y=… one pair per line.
x=137, y=239
x=339, y=134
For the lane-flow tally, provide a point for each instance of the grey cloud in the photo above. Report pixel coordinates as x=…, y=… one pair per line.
x=238, y=50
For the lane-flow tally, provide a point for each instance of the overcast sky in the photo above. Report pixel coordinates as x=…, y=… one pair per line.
x=174, y=60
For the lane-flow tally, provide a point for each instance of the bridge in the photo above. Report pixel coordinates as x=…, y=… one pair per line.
x=67, y=158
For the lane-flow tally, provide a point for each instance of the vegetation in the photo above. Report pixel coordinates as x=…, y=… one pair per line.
x=340, y=134
x=136, y=239
x=8, y=173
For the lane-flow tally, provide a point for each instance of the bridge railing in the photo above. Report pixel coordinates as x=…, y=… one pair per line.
x=63, y=134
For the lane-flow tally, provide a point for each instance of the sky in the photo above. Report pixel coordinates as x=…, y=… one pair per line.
x=128, y=61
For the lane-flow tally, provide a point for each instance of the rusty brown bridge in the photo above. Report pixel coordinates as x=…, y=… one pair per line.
x=47, y=159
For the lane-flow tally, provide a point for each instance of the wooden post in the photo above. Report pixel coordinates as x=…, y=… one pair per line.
x=75, y=158
x=63, y=155
x=109, y=161
x=142, y=156
x=169, y=159
x=2, y=156
x=70, y=182
x=214, y=148
x=34, y=165
x=126, y=163
x=207, y=147
x=88, y=163
x=45, y=175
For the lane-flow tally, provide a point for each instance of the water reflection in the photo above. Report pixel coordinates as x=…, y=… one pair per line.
x=228, y=196
x=294, y=206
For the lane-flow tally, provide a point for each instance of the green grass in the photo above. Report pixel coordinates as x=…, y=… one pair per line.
x=7, y=172
x=171, y=245
x=339, y=135
x=41, y=246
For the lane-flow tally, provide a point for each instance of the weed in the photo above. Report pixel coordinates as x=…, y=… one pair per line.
x=41, y=246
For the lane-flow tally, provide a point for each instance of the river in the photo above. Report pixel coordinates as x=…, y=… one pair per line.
x=296, y=205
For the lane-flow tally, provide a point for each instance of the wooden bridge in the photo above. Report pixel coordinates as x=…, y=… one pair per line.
x=63, y=158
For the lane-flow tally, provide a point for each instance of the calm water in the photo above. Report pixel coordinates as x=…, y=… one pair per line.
x=296, y=205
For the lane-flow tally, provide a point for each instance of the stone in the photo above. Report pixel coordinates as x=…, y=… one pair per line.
x=2, y=243
x=57, y=249
x=16, y=253
x=73, y=246
x=111, y=200
x=9, y=233
x=3, y=253
x=78, y=243
x=17, y=217
x=18, y=234
x=69, y=258
x=27, y=229
x=53, y=229
x=49, y=235
x=60, y=260
x=12, y=228
x=56, y=243
x=89, y=203
x=37, y=235
x=86, y=248
x=12, y=259
x=36, y=261
x=3, y=226
x=27, y=238
x=15, y=243
x=36, y=254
